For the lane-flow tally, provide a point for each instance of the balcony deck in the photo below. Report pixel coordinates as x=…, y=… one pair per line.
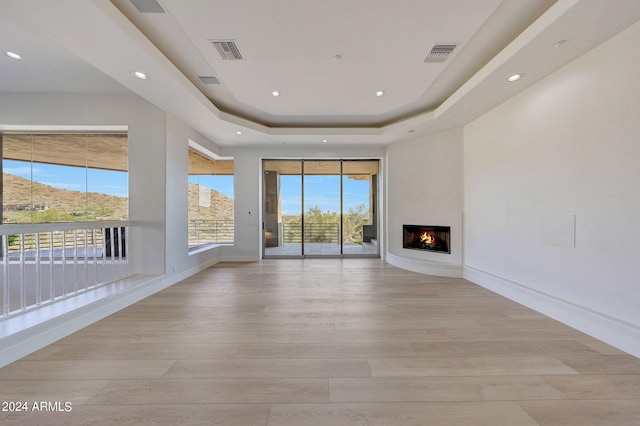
x=322, y=249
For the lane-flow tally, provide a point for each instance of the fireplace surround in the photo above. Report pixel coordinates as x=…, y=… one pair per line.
x=427, y=238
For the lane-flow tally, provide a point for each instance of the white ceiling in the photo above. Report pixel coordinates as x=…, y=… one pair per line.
x=326, y=58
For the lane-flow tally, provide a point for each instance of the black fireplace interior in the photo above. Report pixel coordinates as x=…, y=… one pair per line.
x=429, y=238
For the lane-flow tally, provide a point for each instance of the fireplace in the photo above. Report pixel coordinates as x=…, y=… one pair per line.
x=427, y=238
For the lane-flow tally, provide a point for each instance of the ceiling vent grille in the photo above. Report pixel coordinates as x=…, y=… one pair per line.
x=209, y=80
x=227, y=49
x=439, y=53
x=147, y=6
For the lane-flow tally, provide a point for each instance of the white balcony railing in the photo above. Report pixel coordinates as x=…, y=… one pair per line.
x=42, y=263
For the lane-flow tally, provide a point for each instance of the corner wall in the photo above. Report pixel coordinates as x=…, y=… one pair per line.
x=424, y=187
x=178, y=260
x=552, y=199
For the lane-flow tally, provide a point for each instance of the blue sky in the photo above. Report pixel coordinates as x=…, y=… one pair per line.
x=70, y=178
x=323, y=192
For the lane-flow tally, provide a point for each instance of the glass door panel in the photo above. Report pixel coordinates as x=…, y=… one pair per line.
x=282, y=210
x=322, y=208
x=359, y=201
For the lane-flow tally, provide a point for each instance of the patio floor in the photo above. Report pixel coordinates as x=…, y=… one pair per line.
x=322, y=249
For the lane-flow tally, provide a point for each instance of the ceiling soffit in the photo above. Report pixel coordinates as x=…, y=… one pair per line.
x=517, y=37
x=328, y=60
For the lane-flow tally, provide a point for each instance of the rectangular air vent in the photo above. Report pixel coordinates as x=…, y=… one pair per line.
x=209, y=80
x=227, y=49
x=439, y=53
x=147, y=6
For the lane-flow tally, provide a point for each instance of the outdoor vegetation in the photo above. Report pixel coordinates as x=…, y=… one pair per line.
x=25, y=201
x=324, y=226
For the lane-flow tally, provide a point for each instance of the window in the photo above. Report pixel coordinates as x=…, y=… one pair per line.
x=210, y=200
x=64, y=177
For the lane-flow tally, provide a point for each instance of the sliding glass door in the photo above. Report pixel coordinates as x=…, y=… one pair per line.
x=320, y=208
x=282, y=212
x=322, y=218
x=359, y=207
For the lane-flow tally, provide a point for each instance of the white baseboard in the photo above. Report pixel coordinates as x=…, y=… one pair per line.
x=428, y=267
x=31, y=331
x=239, y=258
x=617, y=333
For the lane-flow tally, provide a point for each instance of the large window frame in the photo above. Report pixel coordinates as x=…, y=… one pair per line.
x=210, y=199
x=63, y=177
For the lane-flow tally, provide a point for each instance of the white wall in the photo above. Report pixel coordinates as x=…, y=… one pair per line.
x=248, y=188
x=178, y=259
x=565, y=149
x=424, y=187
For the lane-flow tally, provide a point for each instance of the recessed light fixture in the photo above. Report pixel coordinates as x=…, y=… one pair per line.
x=379, y=93
x=238, y=132
x=560, y=43
x=139, y=74
x=275, y=93
x=515, y=77
x=13, y=55
x=324, y=141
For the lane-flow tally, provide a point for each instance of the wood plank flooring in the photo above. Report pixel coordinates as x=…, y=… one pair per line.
x=325, y=342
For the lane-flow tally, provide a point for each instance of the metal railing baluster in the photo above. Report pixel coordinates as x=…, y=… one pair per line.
x=23, y=295
x=83, y=254
x=5, y=275
x=38, y=267
x=51, y=266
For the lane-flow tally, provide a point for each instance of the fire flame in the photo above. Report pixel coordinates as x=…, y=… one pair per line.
x=427, y=238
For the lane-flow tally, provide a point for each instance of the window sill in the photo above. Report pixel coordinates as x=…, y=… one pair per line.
x=207, y=247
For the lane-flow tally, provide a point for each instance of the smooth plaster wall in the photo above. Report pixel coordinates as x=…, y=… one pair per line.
x=567, y=148
x=248, y=188
x=178, y=258
x=424, y=186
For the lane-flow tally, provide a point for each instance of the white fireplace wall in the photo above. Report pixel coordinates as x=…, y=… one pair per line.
x=424, y=186
x=552, y=204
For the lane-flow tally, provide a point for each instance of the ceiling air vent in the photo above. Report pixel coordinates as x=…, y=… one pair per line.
x=439, y=53
x=227, y=49
x=209, y=80
x=147, y=6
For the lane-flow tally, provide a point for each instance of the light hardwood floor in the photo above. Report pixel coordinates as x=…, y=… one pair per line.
x=326, y=342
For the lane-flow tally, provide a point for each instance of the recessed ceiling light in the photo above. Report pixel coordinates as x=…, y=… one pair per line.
x=560, y=43
x=515, y=77
x=140, y=75
x=324, y=141
x=275, y=93
x=379, y=93
x=238, y=132
x=13, y=55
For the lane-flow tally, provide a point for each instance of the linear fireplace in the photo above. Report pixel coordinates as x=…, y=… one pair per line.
x=428, y=238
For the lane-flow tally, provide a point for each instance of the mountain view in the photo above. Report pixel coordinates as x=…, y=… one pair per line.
x=52, y=204
x=209, y=204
